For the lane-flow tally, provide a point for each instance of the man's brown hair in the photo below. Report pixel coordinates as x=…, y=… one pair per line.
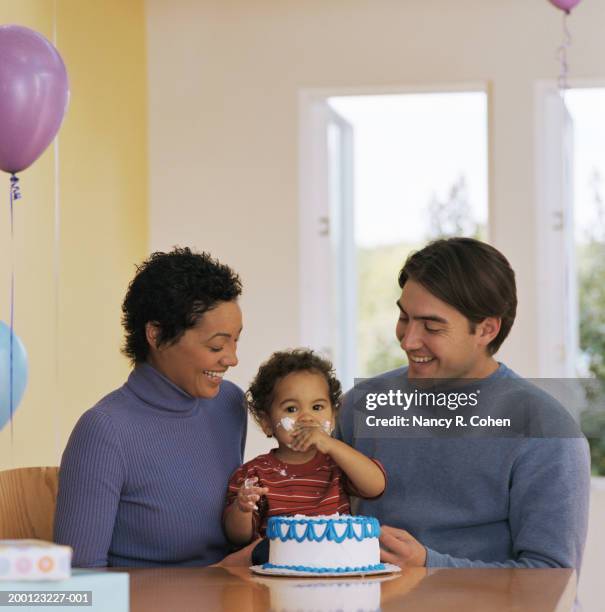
x=472, y=276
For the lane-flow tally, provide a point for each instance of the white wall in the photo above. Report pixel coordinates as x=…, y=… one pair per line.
x=224, y=79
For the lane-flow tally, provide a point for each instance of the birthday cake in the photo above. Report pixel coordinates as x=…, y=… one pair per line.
x=324, y=544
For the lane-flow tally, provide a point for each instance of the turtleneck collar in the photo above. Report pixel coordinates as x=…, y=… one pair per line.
x=158, y=391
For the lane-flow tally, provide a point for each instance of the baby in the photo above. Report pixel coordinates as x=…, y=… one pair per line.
x=295, y=397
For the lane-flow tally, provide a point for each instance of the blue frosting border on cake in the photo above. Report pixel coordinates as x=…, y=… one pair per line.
x=370, y=528
x=326, y=570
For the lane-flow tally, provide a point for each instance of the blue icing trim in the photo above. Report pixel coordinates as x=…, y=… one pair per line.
x=370, y=528
x=326, y=570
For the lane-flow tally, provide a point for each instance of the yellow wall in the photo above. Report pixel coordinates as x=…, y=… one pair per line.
x=73, y=349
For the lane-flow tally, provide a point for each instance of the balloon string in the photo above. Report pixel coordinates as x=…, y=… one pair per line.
x=15, y=194
x=56, y=279
x=15, y=190
x=562, y=55
x=57, y=270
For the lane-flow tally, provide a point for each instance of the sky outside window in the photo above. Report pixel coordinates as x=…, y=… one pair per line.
x=408, y=149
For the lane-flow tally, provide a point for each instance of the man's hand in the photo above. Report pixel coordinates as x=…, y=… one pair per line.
x=308, y=434
x=400, y=548
x=249, y=494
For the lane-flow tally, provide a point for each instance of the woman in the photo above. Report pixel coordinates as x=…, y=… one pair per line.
x=145, y=471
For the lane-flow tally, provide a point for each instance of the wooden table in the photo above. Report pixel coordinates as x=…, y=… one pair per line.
x=218, y=589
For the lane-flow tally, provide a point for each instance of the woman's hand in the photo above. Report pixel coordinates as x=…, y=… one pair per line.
x=249, y=494
x=240, y=558
x=308, y=434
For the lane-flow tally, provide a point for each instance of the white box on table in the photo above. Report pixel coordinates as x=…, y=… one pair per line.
x=34, y=560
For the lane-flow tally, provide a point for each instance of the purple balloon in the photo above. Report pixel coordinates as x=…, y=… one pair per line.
x=565, y=5
x=34, y=93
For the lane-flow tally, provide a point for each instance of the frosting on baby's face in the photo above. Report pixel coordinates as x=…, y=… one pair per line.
x=287, y=423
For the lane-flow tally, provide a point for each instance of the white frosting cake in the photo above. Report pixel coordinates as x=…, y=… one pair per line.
x=324, y=544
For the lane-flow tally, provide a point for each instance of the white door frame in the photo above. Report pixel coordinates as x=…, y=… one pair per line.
x=315, y=327
x=556, y=311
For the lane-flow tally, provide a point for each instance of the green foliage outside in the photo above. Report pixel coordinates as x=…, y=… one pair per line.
x=591, y=284
x=593, y=426
x=453, y=216
x=378, y=269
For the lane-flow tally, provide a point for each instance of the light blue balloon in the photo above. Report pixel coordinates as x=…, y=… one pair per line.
x=19, y=373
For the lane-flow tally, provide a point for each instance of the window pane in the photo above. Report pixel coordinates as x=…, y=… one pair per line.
x=420, y=174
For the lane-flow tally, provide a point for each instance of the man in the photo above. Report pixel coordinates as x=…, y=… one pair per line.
x=464, y=501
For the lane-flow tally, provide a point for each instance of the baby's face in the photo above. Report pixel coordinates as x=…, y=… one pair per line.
x=300, y=397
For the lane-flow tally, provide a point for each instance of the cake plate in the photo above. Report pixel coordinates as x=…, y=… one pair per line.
x=389, y=568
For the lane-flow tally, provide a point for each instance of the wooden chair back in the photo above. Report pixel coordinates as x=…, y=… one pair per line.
x=28, y=498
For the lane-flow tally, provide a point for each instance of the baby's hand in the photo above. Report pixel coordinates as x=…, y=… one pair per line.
x=249, y=494
x=308, y=434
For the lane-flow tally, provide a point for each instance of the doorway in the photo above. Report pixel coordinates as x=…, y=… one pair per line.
x=381, y=175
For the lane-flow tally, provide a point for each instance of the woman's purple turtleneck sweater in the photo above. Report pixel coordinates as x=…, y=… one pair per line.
x=144, y=475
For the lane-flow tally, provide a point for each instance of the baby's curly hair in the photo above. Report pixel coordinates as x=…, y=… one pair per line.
x=173, y=290
x=259, y=395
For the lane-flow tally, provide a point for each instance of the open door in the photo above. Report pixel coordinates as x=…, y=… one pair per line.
x=557, y=314
x=327, y=240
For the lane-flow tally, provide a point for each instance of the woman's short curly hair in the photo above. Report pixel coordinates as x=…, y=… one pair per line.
x=261, y=392
x=173, y=290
